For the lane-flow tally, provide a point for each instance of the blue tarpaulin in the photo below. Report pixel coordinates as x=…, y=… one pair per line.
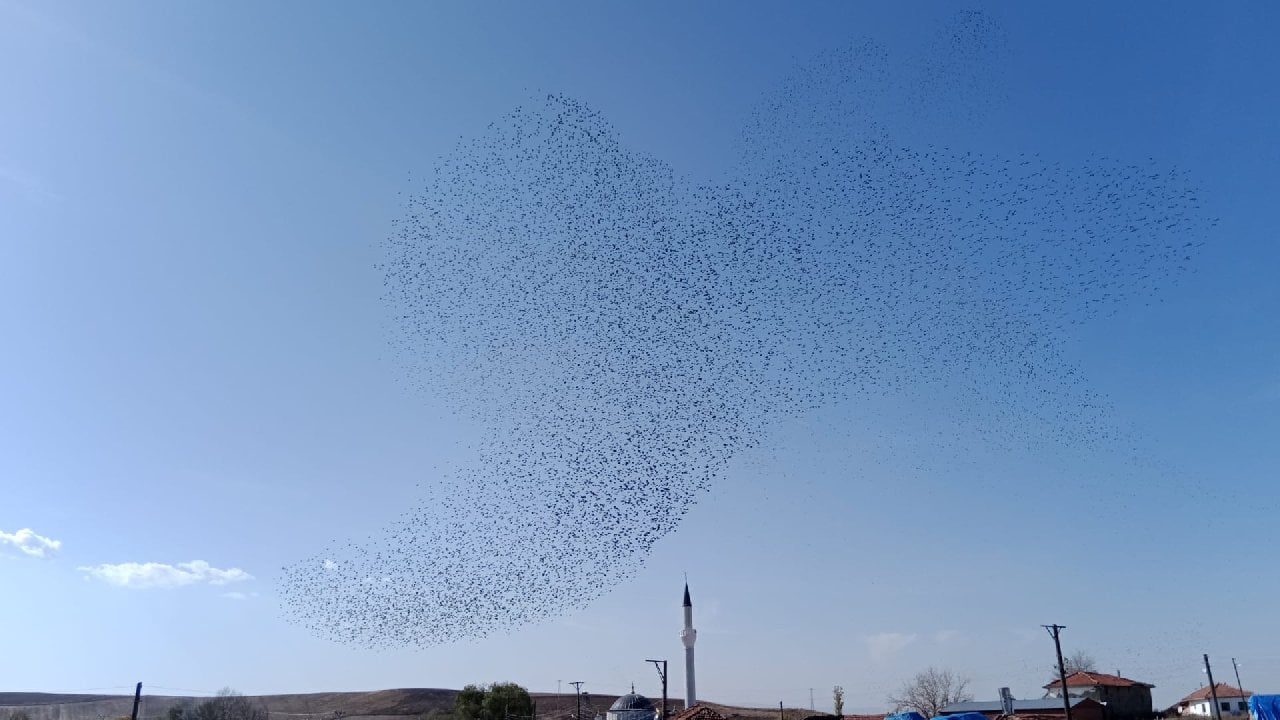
x=909, y=715
x=1265, y=707
x=961, y=716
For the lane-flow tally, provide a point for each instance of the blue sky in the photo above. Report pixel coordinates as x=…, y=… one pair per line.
x=197, y=368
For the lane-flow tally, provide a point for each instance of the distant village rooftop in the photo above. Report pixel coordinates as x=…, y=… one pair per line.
x=1223, y=690
x=1081, y=678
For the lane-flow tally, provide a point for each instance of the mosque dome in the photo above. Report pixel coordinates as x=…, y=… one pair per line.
x=632, y=706
x=632, y=701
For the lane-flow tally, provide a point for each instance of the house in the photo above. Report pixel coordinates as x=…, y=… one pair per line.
x=1231, y=701
x=1124, y=699
x=698, y=711
x=1041, y=709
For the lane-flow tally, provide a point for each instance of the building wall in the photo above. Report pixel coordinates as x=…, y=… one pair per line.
x=632, y=714
x=1205, y=707
x=1125, y=702
x=1122, y=703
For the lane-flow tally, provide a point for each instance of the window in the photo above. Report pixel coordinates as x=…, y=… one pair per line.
x=1243, y=705
x=1226, y=706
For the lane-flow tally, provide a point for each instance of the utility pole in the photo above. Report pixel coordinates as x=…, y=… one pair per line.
x=577, y=688
x=662, y=673
x=1054, y=629
x=811, y=709
x=1213, y=691
x=137, y=697
x=783, y=716
x=1239, y=687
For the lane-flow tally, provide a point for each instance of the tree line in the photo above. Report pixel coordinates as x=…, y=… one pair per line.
x=496, y=701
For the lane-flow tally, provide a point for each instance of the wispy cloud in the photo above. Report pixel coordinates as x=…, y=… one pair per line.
x=27, y=542
x=942, y=637
x=884, y=646
x=236, y=595
x=29, y=185
x=160, y=575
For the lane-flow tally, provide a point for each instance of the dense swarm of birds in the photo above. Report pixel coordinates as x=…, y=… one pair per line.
x=623, y=332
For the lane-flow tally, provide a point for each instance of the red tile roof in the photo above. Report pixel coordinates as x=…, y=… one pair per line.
x=1224, y=690
x=1081, y=678
x=698, y=711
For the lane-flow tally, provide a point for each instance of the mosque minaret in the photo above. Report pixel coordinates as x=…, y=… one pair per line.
x=688, y=636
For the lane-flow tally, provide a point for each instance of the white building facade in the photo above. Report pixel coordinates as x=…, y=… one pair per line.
x=1232, y=701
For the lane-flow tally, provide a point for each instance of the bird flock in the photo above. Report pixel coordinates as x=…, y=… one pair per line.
x=622, y=332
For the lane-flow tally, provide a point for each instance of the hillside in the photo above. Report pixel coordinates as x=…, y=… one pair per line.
x=366, y=705
x=398, y=704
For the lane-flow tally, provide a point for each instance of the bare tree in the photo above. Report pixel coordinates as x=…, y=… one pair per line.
x=228, y=705
x=1079, y=661
x=930, y=691
x=837, y=696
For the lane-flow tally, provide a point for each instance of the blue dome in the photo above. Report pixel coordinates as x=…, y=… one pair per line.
x=632, y=701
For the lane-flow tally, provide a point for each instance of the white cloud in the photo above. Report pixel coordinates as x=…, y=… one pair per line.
x=160, y=575
x=883, y=646
x=239, y=595
x=29, y=543
x=942, y=637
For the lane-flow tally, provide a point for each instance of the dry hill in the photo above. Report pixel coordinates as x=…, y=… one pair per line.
x=400, y=704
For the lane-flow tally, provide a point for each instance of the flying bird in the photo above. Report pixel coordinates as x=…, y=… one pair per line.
x=622, y=332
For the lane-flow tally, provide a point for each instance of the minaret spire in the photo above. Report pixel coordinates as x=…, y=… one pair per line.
x=688, y=636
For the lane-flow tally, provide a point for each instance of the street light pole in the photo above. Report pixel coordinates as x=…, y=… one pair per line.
x=577, y=689
x=662, y=673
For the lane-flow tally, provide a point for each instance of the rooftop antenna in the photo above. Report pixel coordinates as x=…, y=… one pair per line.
x=1006, y=701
